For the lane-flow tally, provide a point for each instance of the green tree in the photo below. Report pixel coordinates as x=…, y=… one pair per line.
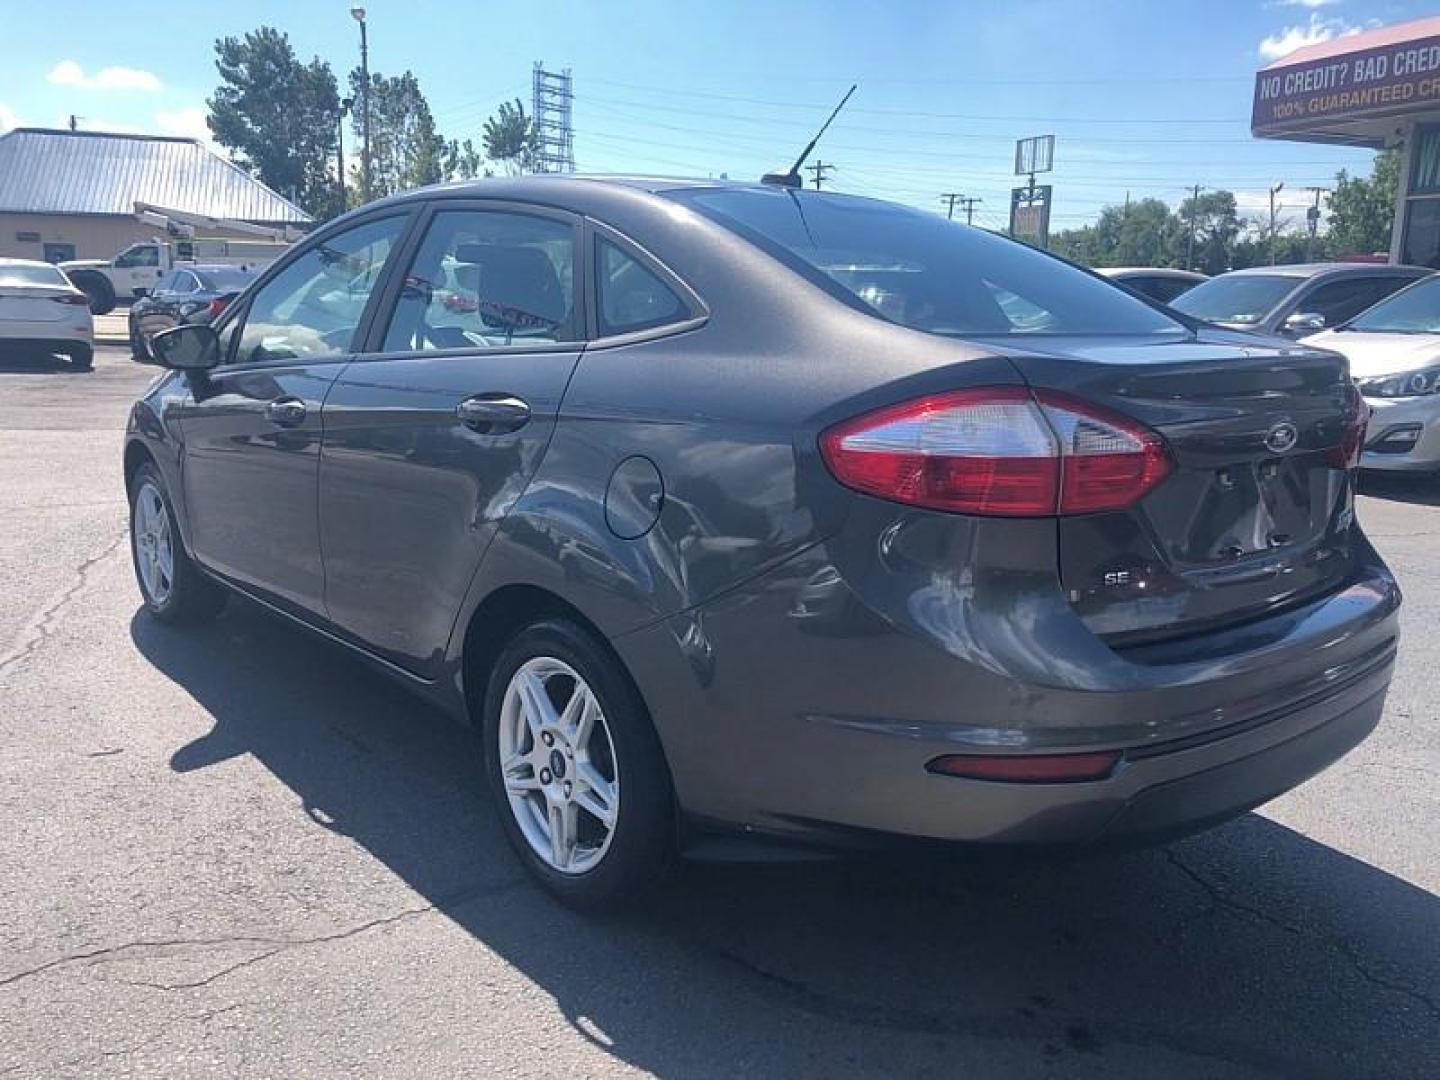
x=406, y=150
x=510, y=138
x=463, y=161
x=1140, y=234
x=1216, y=223
x=1362, y=210
x=279, y=117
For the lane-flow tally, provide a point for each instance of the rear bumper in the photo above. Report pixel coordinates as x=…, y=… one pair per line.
x=56, y=341
x=806, y=706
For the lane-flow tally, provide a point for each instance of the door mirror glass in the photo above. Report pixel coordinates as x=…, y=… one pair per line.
x=188, y=347
x=1304, y=322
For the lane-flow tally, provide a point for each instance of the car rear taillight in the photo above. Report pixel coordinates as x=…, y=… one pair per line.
x=1001, y=450
x=217, y=305
x=77, y=299
x=1346, y=453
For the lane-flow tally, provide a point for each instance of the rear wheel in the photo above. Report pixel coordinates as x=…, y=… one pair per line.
x=97, y=289
x=81, y=357
x=174, y=589
x=139, y=349
x=576, y=768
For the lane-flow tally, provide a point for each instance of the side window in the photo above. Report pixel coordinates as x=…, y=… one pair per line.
x=139, y=255
x=312, y=308
x=487, y=278
x=184, y=282
x=1163, y=289
x=167, y=283
x=1341, y=301
x=631, y=297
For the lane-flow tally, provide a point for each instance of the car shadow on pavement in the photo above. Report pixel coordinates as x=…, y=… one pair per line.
x=1419, y=489
x=1251, y=949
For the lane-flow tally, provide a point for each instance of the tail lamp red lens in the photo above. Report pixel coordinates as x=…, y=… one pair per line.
x=1002, y=450
x=1028, y=768
x=217, y=305
x=1346, y=454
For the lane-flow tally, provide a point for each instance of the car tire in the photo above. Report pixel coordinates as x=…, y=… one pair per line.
x=97, y=288
x=619, y=765
x=173, y=587
x=80, y=357
x=139, y=350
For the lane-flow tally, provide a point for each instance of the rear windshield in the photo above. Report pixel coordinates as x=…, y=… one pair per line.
x=1415, y=310
x=32, y=274
x=225, y=279
x=1238, y=298
x=922, y=271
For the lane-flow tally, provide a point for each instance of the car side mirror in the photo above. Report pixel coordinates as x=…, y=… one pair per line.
x=187, y=347
x=1304, y=322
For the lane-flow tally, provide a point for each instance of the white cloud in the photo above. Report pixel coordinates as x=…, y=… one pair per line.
x=1303, y=3
x=1283, y=42
x=69, y=73
x=189, y=122
x=8, y=118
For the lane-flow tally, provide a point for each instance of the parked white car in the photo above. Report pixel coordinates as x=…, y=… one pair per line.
x=42, y=312
x=1394, y=354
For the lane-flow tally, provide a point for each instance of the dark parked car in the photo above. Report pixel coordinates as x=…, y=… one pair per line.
x=186, y=294
x=1160, y=283
x=736, y=514
x=1293, y=301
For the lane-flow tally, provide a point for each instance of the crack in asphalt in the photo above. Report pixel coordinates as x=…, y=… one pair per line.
x=1339, y=944
x=42, y=626
x=149, y=949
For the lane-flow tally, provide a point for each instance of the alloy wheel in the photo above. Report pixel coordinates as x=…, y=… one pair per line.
x=154, y=547
x=557, y=761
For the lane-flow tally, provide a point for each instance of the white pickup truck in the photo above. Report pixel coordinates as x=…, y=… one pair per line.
x=134, y=272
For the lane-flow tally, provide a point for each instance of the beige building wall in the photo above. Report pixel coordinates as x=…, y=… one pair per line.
x=93, y=237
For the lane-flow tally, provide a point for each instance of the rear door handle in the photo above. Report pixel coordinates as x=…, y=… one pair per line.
x=493, y=414
x=286, y=411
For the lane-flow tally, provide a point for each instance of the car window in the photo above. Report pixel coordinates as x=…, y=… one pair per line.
x=140, y=255
x=185, y=282
x=1341, y=301
x=631, y=297
x=32, y=274
x=921, y=271
x=1163, y=289
x=1235, y=298
x=312, y=307
x=167, y=283
x=225, y=279
x=485, y=278
x=1414, y=311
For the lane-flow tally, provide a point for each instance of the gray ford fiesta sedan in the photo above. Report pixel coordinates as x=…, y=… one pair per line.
x=736, y=515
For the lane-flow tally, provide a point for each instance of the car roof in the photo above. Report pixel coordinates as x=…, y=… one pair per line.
x=1309, y=270
x=210, y=268
x=27, y=262
x=1150, y=271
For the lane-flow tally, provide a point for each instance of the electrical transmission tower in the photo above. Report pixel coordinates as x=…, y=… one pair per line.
x=551, y=100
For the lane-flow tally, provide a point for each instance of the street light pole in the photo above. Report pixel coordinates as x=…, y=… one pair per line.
x=345, y=105
x=1273, y=192
x=358, y=14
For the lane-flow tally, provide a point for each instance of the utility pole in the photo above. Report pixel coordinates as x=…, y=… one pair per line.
x=970, y=201
x=950, y=198
x=1190, y=243
x=1313, y=214
x=358, y=14
x=345, y=106
x=820, y=168
x=1273, y=192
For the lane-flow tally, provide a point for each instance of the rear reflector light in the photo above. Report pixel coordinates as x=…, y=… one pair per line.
x=1028, y=768
x=79, y=300
x=1001, y=451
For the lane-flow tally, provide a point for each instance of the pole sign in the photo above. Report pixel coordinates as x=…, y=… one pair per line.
x=1030, y=213
x=1034, y=155
x=1384, y=80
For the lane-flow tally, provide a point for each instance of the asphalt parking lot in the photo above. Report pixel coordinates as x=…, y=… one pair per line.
x=233, y=851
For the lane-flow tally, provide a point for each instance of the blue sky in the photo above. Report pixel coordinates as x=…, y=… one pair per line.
x=1148, y=97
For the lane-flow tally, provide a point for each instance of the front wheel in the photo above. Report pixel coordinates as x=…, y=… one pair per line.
x=576, y=767
x=174, y=589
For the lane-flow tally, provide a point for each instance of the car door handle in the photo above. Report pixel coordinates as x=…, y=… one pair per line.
x=286, y=411
x=493, y=414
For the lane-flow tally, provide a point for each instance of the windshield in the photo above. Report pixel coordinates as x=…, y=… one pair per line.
x=32, y=274
x=226, y=279
x=1415, y=310
x=1235, y=298
x=922, y=271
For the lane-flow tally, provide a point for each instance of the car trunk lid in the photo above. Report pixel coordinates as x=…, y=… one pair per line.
x=1257, y=511
x=32, y=303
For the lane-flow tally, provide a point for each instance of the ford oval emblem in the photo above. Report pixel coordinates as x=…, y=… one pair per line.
x=1282, y=437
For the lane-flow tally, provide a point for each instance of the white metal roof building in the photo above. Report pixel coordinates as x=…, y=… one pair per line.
x=71, y=194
